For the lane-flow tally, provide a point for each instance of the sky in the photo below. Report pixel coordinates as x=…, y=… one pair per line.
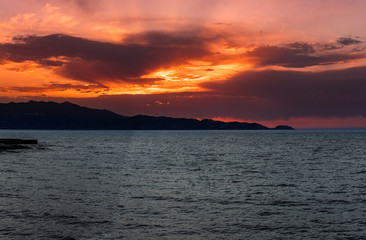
x=275, y=62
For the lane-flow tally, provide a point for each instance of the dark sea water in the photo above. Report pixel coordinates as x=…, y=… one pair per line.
x=185, y=185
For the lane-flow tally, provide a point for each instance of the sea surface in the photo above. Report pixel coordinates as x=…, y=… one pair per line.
x=302, y=184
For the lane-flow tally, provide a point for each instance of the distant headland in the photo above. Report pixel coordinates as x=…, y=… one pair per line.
x=69, y=116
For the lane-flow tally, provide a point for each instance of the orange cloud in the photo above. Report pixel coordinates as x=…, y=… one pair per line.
x=157, y=62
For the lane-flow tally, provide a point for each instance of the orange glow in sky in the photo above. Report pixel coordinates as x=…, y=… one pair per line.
x=304, y=58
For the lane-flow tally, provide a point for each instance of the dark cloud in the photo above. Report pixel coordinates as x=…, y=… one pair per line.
x=329, y=46
x=340, y=43
x=56, y=87
x=196, y=38
x=301, y=47
x=96, y=62
x=295, y=55
x=285, y=94
x=348, y=41
x=140, y=54
x=95, y=88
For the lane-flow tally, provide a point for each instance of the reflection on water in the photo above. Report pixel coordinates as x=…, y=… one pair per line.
x=184, y=185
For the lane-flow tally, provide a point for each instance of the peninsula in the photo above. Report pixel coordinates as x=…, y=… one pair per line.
x=69, y=116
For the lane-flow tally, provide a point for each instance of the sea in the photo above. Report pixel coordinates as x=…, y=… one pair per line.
x=301, y=184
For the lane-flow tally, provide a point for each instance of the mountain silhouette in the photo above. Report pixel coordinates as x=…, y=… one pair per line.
x=69, y=116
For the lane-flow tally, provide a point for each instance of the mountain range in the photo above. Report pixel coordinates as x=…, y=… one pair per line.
x=69, y=116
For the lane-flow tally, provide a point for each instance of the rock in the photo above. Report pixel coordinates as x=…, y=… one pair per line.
x=17, y=141
x=283, y=127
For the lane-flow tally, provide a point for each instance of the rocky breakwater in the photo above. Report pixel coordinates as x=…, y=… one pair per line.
x=14, y=144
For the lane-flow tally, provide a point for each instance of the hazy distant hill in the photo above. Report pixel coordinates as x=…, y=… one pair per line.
x=51, y=115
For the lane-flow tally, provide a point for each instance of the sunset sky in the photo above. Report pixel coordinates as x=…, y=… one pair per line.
x=295, y=62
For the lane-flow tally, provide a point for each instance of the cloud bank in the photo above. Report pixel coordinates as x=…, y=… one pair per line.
x=97, y=62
